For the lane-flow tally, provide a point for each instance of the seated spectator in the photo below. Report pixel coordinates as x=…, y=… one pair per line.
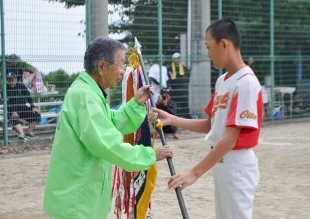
x=302, y=102
x=165, y=103
x=13, y=67
x=18, y=95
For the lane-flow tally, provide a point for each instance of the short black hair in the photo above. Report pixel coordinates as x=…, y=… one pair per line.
x=165, y=91
x=225, y=28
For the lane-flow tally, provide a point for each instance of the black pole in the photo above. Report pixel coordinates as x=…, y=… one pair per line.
x=161, y=133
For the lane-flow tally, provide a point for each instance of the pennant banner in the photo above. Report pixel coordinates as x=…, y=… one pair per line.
x=131, y=192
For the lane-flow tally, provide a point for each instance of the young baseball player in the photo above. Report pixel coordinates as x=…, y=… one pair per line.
x=234, y=119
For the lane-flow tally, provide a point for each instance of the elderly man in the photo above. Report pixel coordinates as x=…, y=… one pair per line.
x=89, y=138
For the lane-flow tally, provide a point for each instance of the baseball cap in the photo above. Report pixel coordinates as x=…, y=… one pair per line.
x=13, y=58
x=176, y=55
x=165, y=91
x=11, y=75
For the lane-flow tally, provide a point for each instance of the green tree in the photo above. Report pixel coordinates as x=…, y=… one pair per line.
x=60, y=79
x=140, y=19
x=24, y=65
x=69, y=3
x=291, y=30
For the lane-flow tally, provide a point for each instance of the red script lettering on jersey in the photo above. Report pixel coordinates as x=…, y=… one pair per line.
x=221, y=102
x=247, y=114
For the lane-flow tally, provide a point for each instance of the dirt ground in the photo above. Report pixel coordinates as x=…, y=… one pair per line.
x=283, y=191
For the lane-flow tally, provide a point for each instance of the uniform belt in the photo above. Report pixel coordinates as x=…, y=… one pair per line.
x=234, y=150
x=222, y=160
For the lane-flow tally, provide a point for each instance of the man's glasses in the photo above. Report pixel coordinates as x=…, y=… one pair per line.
x=123, y=67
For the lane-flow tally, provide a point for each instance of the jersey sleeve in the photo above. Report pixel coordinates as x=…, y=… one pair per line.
x=209, y=107
x=243, y=112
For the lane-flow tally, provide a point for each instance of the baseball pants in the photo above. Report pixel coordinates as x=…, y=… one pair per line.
x=235, y=180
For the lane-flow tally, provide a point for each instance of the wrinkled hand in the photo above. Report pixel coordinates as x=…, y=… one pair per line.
x=165, y=118
x=142, y=94
x=183, y=180
x=14, y=115
x=35, y=110
x=163, y=152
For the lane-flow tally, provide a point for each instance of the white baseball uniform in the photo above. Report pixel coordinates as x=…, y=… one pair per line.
x=154, y=73
x=236, y=102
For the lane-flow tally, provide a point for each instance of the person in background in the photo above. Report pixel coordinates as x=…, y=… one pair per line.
x=166, y=104
x=13, y=67
x=178, y=82
x=89, y=137
x=301, y=103
x=155, y=79
x=18, y=95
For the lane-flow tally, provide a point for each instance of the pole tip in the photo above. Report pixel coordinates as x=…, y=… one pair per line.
x=137, y=44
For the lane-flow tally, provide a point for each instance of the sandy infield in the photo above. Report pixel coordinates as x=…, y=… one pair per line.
x=283, y=191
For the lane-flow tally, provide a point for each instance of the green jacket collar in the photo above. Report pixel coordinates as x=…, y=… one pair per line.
x=92, y=83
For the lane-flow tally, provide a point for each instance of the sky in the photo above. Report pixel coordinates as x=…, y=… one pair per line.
x=45, y=34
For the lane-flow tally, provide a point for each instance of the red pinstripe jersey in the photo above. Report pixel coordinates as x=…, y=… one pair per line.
x=236, y=102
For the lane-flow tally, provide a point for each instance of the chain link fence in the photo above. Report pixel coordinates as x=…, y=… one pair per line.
x=47, y=40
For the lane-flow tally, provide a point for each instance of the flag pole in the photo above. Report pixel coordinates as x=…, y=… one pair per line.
x=161, y=133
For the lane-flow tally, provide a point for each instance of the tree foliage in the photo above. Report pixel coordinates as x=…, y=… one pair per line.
x=291, y=31
x=24, y=65
x=69, y=3
x=60, y=79
x=139, y=18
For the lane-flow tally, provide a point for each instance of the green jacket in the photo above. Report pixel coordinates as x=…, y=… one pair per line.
x=88, y=140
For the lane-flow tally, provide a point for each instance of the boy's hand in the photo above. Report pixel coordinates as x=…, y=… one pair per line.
x=165, y=118
x=183, y=180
